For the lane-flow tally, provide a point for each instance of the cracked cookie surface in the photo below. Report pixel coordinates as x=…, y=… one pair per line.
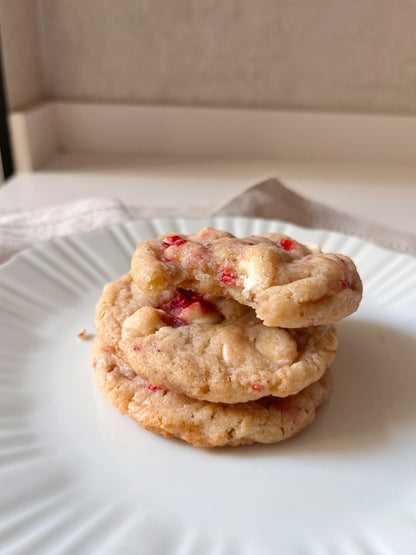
x=202, y=423
x=288, y=284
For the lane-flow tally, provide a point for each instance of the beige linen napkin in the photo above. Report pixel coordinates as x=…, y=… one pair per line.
x=272, y=200
x=268, y=199
x=21, y=230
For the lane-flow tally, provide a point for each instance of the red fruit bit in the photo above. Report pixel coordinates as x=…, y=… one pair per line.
x=177, y=322
x=348, y=285
x=183, y=300
x=154, y=387
x=287, y=244
x=94, y=363
x=257, y=387
x=173, y=321
x=228, y=277
x=173, y=240
x=136, y=348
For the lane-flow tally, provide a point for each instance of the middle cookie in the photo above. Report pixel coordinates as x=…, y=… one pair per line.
x=213, y=349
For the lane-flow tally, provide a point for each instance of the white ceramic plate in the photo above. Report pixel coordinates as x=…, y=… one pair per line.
x=77, y=477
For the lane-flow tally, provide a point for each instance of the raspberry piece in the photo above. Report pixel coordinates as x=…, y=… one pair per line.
x=173, y=240
x=257, y=387
x=173, y=321
x=345, y=284
x=176, y=322
x=287, y=244
x=94, y=363
x=184, y=300
x=136, y=348
x=154, y=387
x=228, y=276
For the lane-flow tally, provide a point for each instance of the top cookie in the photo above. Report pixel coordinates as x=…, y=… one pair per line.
x=287, y=283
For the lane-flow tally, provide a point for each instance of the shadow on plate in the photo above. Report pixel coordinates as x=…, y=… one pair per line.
x=373, y=396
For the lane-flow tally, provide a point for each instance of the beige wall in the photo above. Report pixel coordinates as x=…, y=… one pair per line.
x=348, y=55
x=21, y=52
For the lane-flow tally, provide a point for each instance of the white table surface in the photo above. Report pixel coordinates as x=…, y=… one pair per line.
x=384, y=194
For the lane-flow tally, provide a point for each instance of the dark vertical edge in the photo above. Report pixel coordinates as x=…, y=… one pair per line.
x=5, y=144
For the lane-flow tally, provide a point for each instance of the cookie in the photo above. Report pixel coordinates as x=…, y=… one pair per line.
x=210, y=348
x=288, y=284
x=202, y=423
x=118, y=301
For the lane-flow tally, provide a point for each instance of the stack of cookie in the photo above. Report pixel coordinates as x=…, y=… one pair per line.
x=223, y=341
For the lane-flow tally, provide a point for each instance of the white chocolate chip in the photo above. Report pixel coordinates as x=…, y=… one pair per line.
x=276, y=344
x=226, y=352
x=143, y=322
x=248, y=267
x=315, y=248
x=197, y=314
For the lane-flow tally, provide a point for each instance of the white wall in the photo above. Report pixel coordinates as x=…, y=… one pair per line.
x=343, y=55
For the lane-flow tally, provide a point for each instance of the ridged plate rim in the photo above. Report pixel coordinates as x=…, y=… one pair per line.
x=35, y=523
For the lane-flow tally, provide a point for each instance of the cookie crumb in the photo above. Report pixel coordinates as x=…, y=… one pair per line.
x=84, y=336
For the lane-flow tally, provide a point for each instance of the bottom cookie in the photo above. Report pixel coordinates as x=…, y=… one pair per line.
x=205, y=424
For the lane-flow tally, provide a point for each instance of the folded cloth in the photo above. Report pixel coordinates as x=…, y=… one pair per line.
x=269, y=199
x=21, y=230
x=272, y=200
